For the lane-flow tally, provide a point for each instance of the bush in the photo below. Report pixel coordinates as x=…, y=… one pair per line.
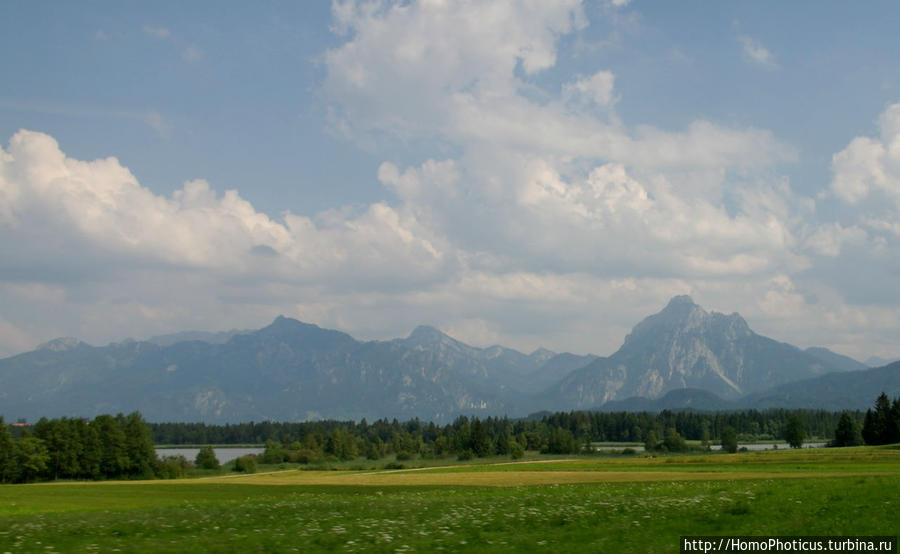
x=673, y=441
x=173, y=467
x=729, y=440
x=465, y=455
x=245, y=464
x=516, y=451
x=275, y=456
x=303, y=456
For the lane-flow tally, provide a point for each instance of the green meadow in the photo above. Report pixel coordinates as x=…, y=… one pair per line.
x=602, y=504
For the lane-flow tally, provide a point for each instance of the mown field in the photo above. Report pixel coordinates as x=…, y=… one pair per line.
x=609, y=504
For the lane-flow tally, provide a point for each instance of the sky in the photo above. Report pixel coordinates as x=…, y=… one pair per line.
x=532, y=174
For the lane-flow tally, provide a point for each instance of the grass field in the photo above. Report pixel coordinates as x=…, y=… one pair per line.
x=593, y=505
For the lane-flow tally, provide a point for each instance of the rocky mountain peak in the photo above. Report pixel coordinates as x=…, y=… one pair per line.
x=680, y=300
x=426, y=335
x=300, y=334
x=680, y=314
x=61, y=344
x=542, y=355
x=733, y=325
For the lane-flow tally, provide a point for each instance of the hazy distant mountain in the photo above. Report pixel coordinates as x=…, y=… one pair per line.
x=61, y=344
x=852, y=390
x=877, y=361
x=683, y=346
x=848, y=390
x=553, y=370
x=680, y=358
x=184, y=336
x=839, y=361
x=494, y=366
x=286, y=371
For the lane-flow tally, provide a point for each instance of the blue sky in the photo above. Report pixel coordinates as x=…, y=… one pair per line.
x=531, y=174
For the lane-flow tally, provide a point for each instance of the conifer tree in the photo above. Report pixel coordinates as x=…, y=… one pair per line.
x=794, y=432
x=847, y=432
x=881, y=426
x=7, y=453
x=206, y=458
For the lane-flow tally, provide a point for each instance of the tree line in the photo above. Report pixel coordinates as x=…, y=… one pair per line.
x=122, y=447
x=470, y=437
x=881, y=424
x=107, y=447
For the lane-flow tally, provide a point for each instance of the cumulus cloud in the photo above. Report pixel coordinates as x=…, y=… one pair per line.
x=101, y=206
x=596, y=89
x=444, y=71
x=828, y=239
x=867, y=182
x=402, y=63
x=870, y=165
x=546, y=184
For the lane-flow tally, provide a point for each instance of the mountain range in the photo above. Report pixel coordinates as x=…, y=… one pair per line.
x=681, y=357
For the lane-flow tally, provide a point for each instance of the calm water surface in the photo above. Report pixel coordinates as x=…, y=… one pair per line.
x=223, y=454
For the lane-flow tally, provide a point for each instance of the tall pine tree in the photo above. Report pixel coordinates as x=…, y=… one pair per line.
x=881, y=425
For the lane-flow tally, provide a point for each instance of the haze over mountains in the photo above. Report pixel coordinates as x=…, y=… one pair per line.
x=681, y=357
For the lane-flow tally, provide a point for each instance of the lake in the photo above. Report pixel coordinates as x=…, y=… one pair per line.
x=224, y=454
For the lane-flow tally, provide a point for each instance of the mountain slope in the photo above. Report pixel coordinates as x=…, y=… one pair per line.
x=839, y=361
x=877, y=361
x=852, y=390
x=495, y=366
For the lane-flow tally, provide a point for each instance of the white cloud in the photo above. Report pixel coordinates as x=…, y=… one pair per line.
x=867, y=181
x=102, y=205
x=596, y=89
x=756, y=53
x=870, y=165
x=403, y=63
x=441, y=70
x=829, y=239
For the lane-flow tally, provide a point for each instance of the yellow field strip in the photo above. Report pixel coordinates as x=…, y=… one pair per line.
x=511, y=478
